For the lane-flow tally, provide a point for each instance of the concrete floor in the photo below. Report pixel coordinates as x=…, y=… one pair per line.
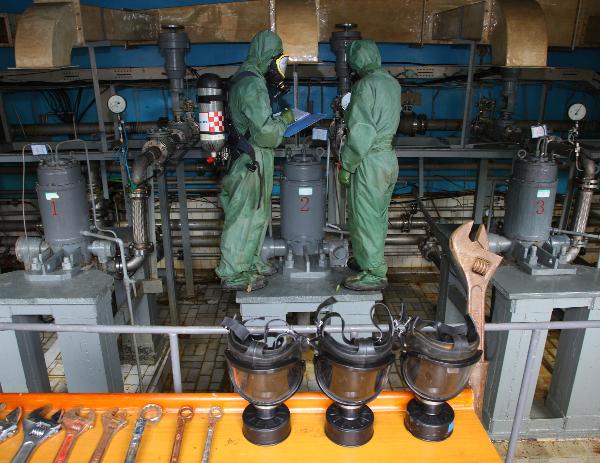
x=204, y=367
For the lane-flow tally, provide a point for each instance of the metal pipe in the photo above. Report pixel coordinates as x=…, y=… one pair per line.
x=301, y=329
x=175, y=363
x=202, y=242
x=128, y=285
x=526, y=384
x=587, y=184
x=139, y=169
x=139, y=217
x=498, y=243
x=406, y=127
x=85, y=128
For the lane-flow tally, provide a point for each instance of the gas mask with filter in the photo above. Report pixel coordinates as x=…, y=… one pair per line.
x=276, y=75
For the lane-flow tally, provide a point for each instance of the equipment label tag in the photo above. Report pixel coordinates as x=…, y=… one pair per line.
x=543, y=193
x=39, y=150
x=539, y=131
x=319, y=134
x=305, y=191
x=50, y=195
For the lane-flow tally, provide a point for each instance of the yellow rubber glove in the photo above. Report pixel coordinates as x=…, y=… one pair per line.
x=288, y=116
x=344, y=177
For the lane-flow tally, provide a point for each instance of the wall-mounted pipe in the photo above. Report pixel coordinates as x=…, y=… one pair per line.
x=408, y=126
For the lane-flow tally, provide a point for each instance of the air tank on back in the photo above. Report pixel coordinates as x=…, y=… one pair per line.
x=303, y=204
x=530, y=199
x=63, y=204
x=211, y=108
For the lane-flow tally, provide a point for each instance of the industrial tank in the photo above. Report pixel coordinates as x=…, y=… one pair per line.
x=63, y=203
x=303, y=204
x=530, y=199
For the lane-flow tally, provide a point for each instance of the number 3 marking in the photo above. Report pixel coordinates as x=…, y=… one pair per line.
x=540, y=207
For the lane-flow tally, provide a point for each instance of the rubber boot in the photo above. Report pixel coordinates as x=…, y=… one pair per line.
x=244, y=282
x=365, y=281
x=265, y=269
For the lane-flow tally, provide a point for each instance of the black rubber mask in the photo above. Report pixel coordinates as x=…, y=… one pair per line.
x=276, y=75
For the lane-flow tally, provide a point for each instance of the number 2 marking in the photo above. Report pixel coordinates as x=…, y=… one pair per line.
x=304, y=200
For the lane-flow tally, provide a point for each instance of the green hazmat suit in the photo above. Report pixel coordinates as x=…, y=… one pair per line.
x=372, y=119
x=246, y=196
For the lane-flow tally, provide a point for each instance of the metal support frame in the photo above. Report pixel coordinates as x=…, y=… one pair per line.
x=97, y=96
x=4, y=120
x=527, y=383
x=185, y=230
x=543, y=101
x=104, y=179
x=528, y=379
x=305, y=71
x=163, y=198
x=421, y=177
x=482, y=191
x=465, y=132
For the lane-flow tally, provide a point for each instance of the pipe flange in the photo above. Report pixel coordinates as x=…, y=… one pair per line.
x=140, y=192
x=589, y=184
x=158, y=147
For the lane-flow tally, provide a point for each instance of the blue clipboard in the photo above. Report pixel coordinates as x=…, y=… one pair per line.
x=302, y=124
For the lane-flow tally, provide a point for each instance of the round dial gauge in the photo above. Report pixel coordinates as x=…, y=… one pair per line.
x=577, y=112
x=117, y=104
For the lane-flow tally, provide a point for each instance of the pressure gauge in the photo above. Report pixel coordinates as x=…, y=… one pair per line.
x=577, y=112
x=117, y=104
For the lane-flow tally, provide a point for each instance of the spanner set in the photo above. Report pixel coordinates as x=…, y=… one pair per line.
x=40, y=425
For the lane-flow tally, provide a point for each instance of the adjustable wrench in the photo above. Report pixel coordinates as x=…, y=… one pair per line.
x=478, y=265
x=185, y=414
x=214, y=414
x=74, y=424
x=113, y=421
x=9, y=425
x=150, y=413
x=36, y=429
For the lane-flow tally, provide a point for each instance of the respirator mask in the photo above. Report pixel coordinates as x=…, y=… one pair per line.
x=276, y=75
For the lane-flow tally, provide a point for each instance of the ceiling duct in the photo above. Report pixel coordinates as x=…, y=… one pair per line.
x=520, y=38
x=46, y=33
x=516, y=30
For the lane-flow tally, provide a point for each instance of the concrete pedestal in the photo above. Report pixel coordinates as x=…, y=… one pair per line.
x=284, y=295
x=91, y=361
x=572, y=407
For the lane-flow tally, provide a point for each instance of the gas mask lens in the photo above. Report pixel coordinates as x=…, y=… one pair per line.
x=276, y=75
x=281, y=63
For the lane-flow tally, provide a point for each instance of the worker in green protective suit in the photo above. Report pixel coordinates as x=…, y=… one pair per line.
x=369, y=165
x=246, y=189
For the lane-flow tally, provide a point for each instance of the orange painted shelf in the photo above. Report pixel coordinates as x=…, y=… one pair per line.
x=391, y=443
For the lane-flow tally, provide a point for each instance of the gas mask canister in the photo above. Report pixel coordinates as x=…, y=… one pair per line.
x=276, y=75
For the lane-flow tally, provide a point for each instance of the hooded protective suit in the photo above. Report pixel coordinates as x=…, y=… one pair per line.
x=246, y=196
x=372, y=120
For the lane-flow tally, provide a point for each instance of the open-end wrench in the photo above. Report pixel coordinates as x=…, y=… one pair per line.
x=10, y=424
x=36, y=429
x=150, y=413
x=214, y=414
x=113, y=421
x=74, y=424
x=185, y=414
x=478, y=264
